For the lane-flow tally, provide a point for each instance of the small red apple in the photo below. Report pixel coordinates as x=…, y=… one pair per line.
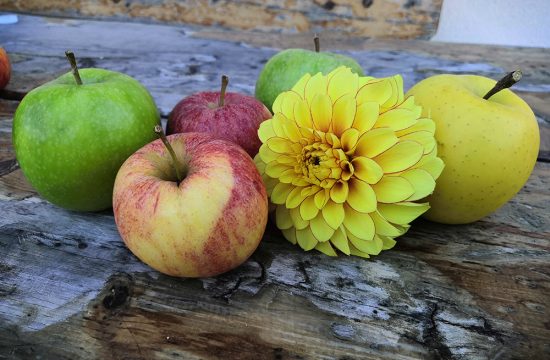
x=232, y=116
x=206, y=224
x=5, y=68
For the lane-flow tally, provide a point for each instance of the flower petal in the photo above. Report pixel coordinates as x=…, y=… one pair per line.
x=294, y=198
x=374, y=142
x=308, y=210
x=267, y=155
x=321, y=198
x=275, y=170
x=300, y=86
x=339, y=192
x=367, y=170
x=266, y=131
x=280, y=145
x=366, y=116
x=387, y=242
x=342, y=81
x=378, y=90
x=317, y=85
x=305, y=238
x=340, y=240
x=358, y=224
x=400, y=157
x=302, y=114
x=383, y=227
x=349, y=140
x=282, y=218
x=392, y=189
x=290, y=98
x=424, y=138
x=333, y=213
x=343, y=113
x=326, y=248
x=372, y=247
x=396, y=119
x=361, y=197
x=320, y=229
x=280, y=193
x=321, y=112
x=422, y=124
x=422, y=182
x=299, y=223
x=402, y=213
x=433, y=165
x=290, y=235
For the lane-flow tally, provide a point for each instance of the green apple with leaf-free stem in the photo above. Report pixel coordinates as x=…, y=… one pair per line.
x=489, y=143
x=285, y=68
x=72, y=134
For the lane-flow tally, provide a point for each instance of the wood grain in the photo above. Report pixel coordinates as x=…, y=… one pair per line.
x=70, y=289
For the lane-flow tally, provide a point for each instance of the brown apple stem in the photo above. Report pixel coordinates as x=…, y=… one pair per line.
x=72, y=60
x=504, y=83
x=162, y=136
x=317, y=43
x=225, y=82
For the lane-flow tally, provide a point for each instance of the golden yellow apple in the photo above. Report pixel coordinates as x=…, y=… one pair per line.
x=489, y=146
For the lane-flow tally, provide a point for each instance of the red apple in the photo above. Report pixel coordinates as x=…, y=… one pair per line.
x=208, y=223
x=234, y=117
x=5, y=68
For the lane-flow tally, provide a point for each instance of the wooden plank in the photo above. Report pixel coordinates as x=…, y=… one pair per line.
x=70, y=289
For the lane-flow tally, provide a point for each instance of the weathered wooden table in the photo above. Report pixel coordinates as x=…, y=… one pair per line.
x=70, y=289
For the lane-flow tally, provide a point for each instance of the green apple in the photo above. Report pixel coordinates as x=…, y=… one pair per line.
x=285, y=68
x=70, y=139
x=489, y=146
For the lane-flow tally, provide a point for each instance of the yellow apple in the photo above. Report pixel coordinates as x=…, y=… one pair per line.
x=489, y=146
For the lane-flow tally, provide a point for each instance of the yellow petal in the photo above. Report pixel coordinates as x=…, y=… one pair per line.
x=282, y=218
x=361, y=197
x=375, y=142
x=317, y=85
x=299, y=223
x=302, y=115
x=305, y=238
x=321, y=198
x=280, y=193
x=392, y=189
x=300, y=86
x=356, y=252
x=366, y=116
x=396, y=97
x=290, y=98
x=433, y=165
x=378, y=91
x=333, y=214
x=274, y=169
x=342, y=82
x=321, y=112
x=339, y=192
x=326, y=249
x=396, y=119
x=400, y=157
x=367, y=170
x=424, y=138
x=343, y=113
x=288, y=175
x=402, y=213
x=295, y=198
x=340, y=240
x=372, y=247
x=387, y=242
x=349, y=140
x=358, y=224
x=279, y=145
x=383, y=227
x=422, y=124
x=267, y=155
x=320, y=229
x=290, y=235
x=266, y=131
x=422, y=182
x=308, y=210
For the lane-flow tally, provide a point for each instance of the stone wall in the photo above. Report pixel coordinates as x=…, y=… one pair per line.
x=401, y=19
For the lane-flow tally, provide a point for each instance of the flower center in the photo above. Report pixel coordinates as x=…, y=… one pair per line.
x=322, y=165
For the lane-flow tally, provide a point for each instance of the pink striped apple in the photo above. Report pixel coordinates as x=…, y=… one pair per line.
x=205, y=225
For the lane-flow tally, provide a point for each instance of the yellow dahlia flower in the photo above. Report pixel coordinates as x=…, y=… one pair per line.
x=343, y=159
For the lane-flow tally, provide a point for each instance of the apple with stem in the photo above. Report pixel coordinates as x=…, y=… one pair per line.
x=190, y=205
x=488, y=138
x=72, y=134
x=285, y=68
x=230, y=116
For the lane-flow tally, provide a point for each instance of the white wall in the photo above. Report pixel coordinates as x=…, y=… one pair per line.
x=502, y=22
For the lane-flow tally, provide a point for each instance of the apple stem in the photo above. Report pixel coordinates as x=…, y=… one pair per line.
x=504, y=83
x=162, y=136
x=225, y=82
x=72, y=60
x=317, y=43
